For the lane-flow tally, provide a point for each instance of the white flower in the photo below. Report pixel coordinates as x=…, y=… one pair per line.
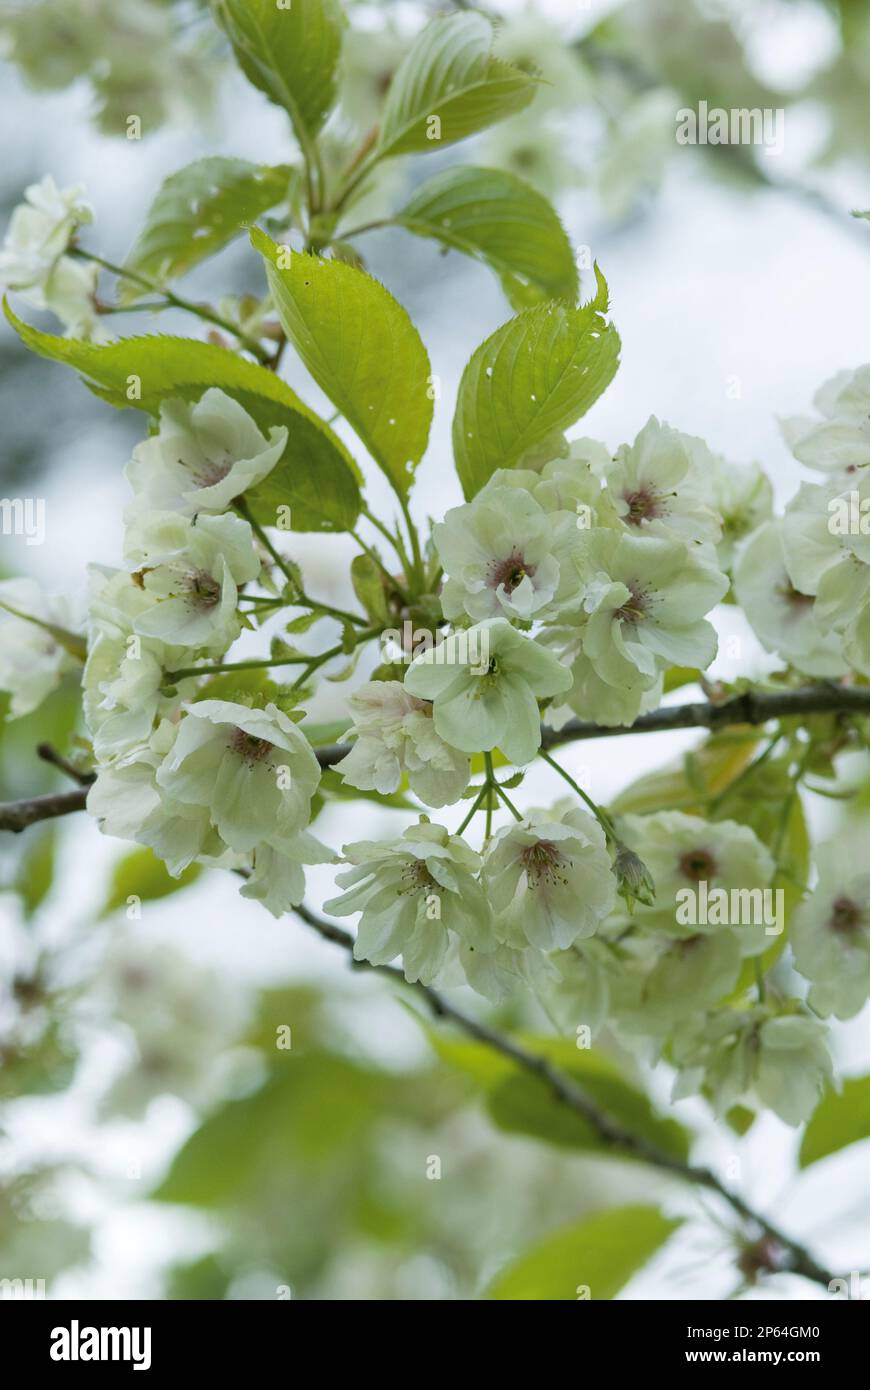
x=661, y=484
x=190, y=571
x=830, y=934
x=412, y=892
x=784, y=619
x=663, y=983
x=485, y=684
x=505, y=556
x=577, y=994
x=202, y=458
x=840, y=443
x=551, y=878
x=180, y=1018
x=40, y=231
x=743, y=497
x=278, y=879
x=751, y=1057
x=252, y=769
x=683, y=853
x=124, y=671
x=33, y=659
x=127, y=802
x=395, y=735
x=646, y=598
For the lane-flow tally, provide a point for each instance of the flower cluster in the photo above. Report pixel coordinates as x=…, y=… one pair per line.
x=34, y=259
x=196, y=778
x=572, y=583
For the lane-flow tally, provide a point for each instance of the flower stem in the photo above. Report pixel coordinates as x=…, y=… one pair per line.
x=475, y=807
x=507, y=801
x=202, y=311
x=601, y=816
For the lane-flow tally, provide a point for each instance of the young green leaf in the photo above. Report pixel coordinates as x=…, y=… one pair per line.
x=197, y=211
x=449, y=85
x=315, y=486
x=142, y=875
x=502, y=221
x=361, y=348
x=840, y=1118
x=290, y=52
x=596, y=1256
x=535, y=375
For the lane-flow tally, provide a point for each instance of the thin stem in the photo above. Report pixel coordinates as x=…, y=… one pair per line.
x=367, y=227
x=244, y=510
x=415, y=541
x=475, y=806
x=716, y=801
x=507, y=801
x=376, y=559
x=258, y=664
x=302, y=600
x=759, y=980
x=202, y=311
x=570, y=1094
x=395, y=541
x=490, y=782
x=782, y=829
x=603, y=819
x=49, y=754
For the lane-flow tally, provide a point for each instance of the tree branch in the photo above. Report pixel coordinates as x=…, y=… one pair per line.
x=752, y=707
x=17, y=815
x=796, y=1258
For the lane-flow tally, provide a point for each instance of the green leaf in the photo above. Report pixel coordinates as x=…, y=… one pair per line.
x=290, y=52
x=368, y=585
x=142, y=875
x=521, y=1103
x=35, y=873
x=498, y=219
x=448, y=85
x=198, y=210
x=316, y=479
x=718, y=762
x=313, y=1106
x=837, y=1121
x=361, y=348
x=524, y=1104
x=593, y=1259
x=535, y=375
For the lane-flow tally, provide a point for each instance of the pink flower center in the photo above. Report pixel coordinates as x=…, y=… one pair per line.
x=544, y=864
x=510, y=573
x=698, y=864
x=846, y=915
x=249, y=748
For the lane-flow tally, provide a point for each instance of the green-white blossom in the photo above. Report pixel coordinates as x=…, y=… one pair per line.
x=830, y=933
x=549, y=879
x=395, y=735
x=485, y=684
x=413, y=892
x=202, y=457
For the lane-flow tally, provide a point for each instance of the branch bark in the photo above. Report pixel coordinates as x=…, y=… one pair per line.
x=797, y=1259
x=752, y=707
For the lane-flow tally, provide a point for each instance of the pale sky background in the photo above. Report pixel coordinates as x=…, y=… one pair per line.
x=710, y=288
